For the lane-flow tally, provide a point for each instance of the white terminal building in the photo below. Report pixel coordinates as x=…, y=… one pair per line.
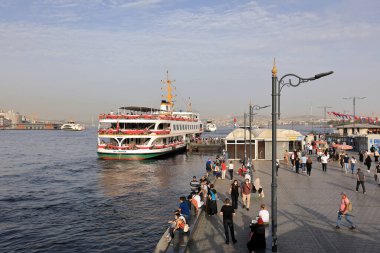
x=261, y=140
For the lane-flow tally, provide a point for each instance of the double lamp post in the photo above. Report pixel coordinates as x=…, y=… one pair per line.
x=277, y=87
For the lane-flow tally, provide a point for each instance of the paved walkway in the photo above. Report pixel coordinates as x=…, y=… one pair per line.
x=307, y=211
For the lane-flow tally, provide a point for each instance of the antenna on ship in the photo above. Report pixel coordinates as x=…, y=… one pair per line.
x=169, y=103
x=189, y=106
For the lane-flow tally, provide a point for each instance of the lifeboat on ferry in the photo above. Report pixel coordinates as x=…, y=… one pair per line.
x=143, y=146
x=112, y=131
x=133, y=116
x=159, y=132
x=148, y=116
x=102, y=131
x=164, y=117
x=140, y=131
x=159, y=146
x=126, y=131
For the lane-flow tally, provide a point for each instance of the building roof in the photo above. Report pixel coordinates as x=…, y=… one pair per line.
x=358, y=126
x=264, y=134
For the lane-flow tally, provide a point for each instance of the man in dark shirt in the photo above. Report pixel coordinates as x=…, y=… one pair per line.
x=360, y=177
x=228, y=212
x=195, y=184
x=184, y=207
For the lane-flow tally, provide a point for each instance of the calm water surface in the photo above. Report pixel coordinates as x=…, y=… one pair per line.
x=56, y=196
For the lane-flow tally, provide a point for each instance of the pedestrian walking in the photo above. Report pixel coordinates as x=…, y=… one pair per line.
x=345, y=210
x=310, y=149
x=224, y=169
x=212, y=197
x=346, y=161
x=353, y=164
x=227, y=211
x=286, y=157
x=360, y=179
x=234, y=192
x=293, y=159
x=258, y=188
x=208, y=167
x=361, y=156
x=341, y=160
x=277, y=166
x=309, y=163
x=324, y=159
x=264, y=214
x=378, y=174
x=368, y=162
x=257, y=236
x=303, y=163
x=246, y=193
x=376, y=154
x=231, y=170
x=297, y=164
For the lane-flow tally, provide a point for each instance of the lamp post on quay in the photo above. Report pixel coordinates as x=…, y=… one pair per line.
x=251, y=108
x=276, y=93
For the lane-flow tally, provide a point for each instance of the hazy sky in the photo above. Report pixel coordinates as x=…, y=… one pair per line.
x=74, y=59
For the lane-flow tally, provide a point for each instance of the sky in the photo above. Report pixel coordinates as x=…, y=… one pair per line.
x=75, y=59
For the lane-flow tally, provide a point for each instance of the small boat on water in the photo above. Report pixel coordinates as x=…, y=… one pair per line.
x=137, y=133
x=210, y=126
x=72, y=126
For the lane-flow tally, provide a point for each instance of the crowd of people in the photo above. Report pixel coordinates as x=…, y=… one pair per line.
x=301, y=161
x=203, y=194
x=241, y=188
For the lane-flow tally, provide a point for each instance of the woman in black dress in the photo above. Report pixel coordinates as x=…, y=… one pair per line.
x=234, y=192
x=257, y=236
x=212, y=197
x=309, y=163
x=368, y=162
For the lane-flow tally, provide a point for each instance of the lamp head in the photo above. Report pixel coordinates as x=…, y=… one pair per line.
x=323, y=74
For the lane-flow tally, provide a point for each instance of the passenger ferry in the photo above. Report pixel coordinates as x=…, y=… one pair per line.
x=72, y=126
x=210, y=126
x=137, y=133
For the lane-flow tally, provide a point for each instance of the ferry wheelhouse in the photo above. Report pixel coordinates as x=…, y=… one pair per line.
x=136, y=133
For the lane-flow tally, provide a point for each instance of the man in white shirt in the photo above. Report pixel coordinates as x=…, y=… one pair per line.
x=231, y=170
x=303, y=163
x=264, y=214
x=324, y=160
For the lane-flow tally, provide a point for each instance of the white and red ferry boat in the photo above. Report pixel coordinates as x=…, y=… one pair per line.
x=136, y=133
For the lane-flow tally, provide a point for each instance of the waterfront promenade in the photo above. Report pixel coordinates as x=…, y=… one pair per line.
x=307, y=212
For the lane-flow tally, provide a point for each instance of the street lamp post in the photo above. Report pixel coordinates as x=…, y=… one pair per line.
x=354, y=106
x=277, y=86
x=251, y=108
x=325, y=107
x=245, y=139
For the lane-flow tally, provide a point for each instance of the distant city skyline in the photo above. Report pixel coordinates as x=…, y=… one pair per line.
x=75, y=59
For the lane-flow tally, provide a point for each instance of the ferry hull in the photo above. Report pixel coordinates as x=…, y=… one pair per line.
x=136, y=157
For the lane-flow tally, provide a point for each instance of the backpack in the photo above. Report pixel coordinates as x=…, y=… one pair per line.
x=213, y=197
x=349, y=207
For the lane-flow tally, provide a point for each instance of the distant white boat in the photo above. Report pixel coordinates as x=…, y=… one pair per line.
x=72, y=126
x=210, y=127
